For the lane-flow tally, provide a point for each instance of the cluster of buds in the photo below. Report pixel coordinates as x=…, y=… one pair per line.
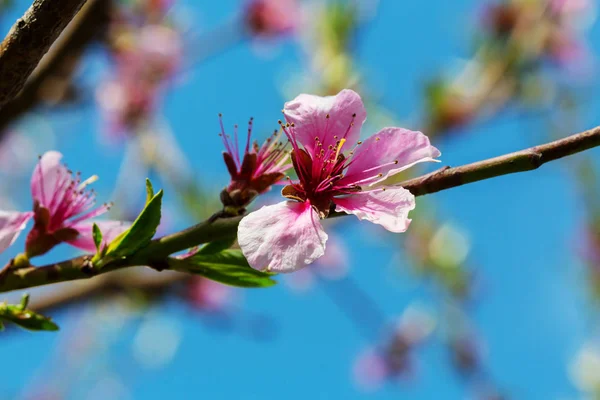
x=147, y=52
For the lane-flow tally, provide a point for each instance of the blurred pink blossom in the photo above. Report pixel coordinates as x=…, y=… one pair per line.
x=207, y=295
x=268, y=18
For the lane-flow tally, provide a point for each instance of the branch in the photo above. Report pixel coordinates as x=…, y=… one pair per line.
x=159, y=249
x=60, y=61
x=520, y=161
x=29, y=39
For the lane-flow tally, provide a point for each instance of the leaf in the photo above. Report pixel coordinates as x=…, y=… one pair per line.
x=27, y=319
x=228, y=266
x=141, y=231
x=97, y=236
x=216, y=247
x=149, y=191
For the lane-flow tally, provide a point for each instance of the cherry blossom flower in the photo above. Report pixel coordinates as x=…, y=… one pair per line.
x=288, y=236
x=271, y=17
x=63, y=209
x=256, y=170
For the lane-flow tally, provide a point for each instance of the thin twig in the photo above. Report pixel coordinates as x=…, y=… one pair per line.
x=446, y=178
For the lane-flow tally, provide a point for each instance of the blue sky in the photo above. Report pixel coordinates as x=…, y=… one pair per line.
x=533, y=311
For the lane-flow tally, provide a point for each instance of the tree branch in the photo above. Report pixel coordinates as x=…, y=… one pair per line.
x=159, y=249
x=29, y=39
x=520, y=161
x=54, y=71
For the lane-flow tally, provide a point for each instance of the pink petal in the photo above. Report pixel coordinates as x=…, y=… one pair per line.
x=110, y=230
x=377, y=155
x=388, y=208
x=47, y=177
x=11, y=225
x=309, y=114
x=283, y=237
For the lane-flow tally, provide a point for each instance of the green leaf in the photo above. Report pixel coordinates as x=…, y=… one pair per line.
x=141, y=232
x=228, y=266
x=24, y=301
x=216, y=247
x=149, y=191
x=27, y=319
x=97, y=235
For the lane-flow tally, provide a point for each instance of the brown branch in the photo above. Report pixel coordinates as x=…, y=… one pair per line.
x=220, y=229
x=52, y=76
x=29, y=39
x=520, y=161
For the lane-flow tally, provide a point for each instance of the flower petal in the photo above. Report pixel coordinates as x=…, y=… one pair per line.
x=377, y=155
x=284, y=237
x=388, y=208
x=309, y=115
x=48, y=178
x=11, y=225
x=110, y=230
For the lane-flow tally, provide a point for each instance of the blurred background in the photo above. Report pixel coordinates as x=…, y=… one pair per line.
x=493, y=293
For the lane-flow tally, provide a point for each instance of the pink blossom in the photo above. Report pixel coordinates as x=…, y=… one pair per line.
x=271, y=17
x=62, y=209
x=288, y=236
x=256, y=170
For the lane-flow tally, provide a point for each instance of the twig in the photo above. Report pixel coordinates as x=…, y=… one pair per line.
x=446, y=178
x=60, y=61
x=520, y=161
x=29, y=39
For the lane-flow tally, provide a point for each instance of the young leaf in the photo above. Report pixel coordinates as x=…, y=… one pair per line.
x=228, y=267
x=149, y=191
x=141, y=232
x=97, y=236
x=216, y=247
x=19, y=315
